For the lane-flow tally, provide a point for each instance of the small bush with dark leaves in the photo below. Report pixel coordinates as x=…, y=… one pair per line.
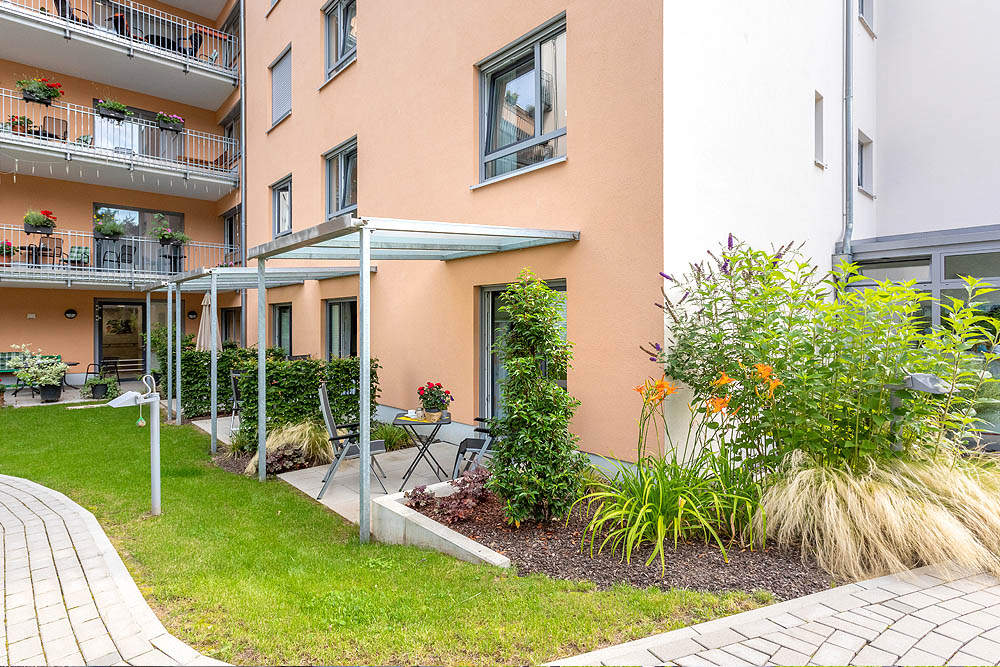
x=420, y=498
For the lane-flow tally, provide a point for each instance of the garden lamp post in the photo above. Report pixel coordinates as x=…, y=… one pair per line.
x=151, y=398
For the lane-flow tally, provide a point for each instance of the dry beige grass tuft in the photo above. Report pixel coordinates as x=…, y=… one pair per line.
x=311, y=438
x=890, y=516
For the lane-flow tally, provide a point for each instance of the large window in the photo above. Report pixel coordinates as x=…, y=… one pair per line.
x=342, y=179
x=229, y=320
x=341, y=18
x=281, y=327
x=281, y=206
x=341, y=328
x=281, y=86
x=523, y=93
x=137, y=248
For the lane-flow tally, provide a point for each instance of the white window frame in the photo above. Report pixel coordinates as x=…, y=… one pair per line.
x=284, y=184
x=285, y=53
x=866, y=164
x=498, y=62
x=866, y=14
x=818, y=132
x=335, y=170
x=335, y=31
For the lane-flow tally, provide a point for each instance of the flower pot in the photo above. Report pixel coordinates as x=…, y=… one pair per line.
x=50, y=392
x=19, y=129
x=113, y=114
x=170, y=127
x=107, y=237
x=31, y=97
x=99, y=391
x=432, y=415
x=38, y=229
x=166, y=241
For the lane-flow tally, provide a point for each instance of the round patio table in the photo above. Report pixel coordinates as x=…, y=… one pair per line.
x=410, y=424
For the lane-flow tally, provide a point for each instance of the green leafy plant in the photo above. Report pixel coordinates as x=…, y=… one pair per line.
x=36, y=369
x=395, y=437
x=172, y=118
x=105, y=223
x=22, y=122
x=41, y=87
x=7, y=248
x=293, y=447
x=87, y=390
x=434, y=397
x=161, y=230
x=41, y=218
x=114, y=105
x=537, y=468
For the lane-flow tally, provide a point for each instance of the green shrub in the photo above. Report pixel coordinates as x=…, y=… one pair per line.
x=293, y=447
x=87, y=390
x=395, y=437
x=537, y=468
x=292, y=391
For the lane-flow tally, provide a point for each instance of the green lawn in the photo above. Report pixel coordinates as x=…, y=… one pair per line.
x=250, y=572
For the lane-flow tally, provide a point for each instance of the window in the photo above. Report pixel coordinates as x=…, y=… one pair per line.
x=818, y=131
x=865, y=157
x=341, y=34
x=231, y=48
x=229, y=322
x=143, y=253
x=866, y=12
x=342, y=179
x=231, y=236
x=523, y=93
x=281, y=327
x=281, y=86
x=281, y=206
x=341, y=328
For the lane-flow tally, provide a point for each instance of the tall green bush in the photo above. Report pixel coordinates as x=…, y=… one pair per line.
x=537, y=468
x=292, y=388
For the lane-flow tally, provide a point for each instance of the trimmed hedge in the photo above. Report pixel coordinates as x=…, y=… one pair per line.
x=292, y=389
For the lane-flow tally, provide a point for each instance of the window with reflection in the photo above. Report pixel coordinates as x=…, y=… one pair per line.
x=341, y=34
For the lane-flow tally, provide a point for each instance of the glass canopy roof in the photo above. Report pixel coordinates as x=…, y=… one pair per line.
x=230, y=278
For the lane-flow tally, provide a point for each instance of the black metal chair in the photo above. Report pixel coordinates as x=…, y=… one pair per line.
x=67, y=11
x=473, y=450
x=51, y=247
x=105, y=368
x=123, y=28
x=345, y=443
x=234, y=377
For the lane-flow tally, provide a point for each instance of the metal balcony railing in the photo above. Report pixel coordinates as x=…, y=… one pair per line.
x=81, y=129
x=138, y=27
x=70, y=255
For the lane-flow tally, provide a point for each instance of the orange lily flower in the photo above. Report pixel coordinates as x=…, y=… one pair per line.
x=763, y=371
x=773, y=384
x=665, y=388
x=717, y=404
x=723, y=380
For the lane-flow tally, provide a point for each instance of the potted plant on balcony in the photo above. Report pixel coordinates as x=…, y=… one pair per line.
x=170, y=122
x=434, y=398
x=40, y=90
x=39, y=222
x=166, y=235
x=106, y=227
x=20, y=124
x=7, y=250
x=112, y=109
x=35, y=370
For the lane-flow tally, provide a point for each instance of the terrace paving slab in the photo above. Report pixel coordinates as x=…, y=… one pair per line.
x=929, y=616
x=84, y=609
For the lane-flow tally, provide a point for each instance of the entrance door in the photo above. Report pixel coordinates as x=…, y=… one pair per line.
x=493, y=324
x=119, y=335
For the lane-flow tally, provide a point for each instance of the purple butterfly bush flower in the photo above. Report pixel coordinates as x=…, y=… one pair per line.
x=730, y=242
x=666, y=277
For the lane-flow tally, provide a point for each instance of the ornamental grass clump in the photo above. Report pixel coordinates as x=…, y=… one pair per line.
x=293, y=446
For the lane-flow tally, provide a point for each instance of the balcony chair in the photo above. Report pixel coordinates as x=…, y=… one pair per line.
x=345, y=443
x=195, y=38
x=471, y=451
x=54, y=128
x=67, y=11
x=122, y=27
x=51, y=247
x=79, y=255
x=106, y=368
x=234, y=380
x=119, y=258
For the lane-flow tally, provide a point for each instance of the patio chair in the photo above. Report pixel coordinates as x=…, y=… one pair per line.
x=54, y=128
x=234, y=377
x=472, y=450
x=67, y=11
x=122, y=27
x=105, y=368
x=51, y=247
x=79, y=255
x=345, y=444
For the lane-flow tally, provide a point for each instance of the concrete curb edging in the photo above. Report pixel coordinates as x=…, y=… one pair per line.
x=395, y=523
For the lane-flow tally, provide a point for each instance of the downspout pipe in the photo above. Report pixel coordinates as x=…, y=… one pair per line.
x=849, y=138
x=243, y=166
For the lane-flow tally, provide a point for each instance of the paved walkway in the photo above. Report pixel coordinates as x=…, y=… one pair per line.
x=927, y=617
x=67, y=597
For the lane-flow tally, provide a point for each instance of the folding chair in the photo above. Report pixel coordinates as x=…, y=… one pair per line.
x=345, y=443
x=234, y=377
x=472, y=450
x=51, y=247
x=79, y=255
x=67, y=11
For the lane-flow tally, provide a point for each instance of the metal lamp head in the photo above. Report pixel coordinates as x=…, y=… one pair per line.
x=127, y=399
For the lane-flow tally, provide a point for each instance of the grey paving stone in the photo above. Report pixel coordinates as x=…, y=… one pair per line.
x=694, y=661
x=640, y=657
x=984, y=619
x=874, y=595
x=787, y=641
x=745, y=652
x=762, y=645
x=936, y=615
x=981, y=647
x=851, y=628
x=98, y=647
x=894, y=642
x=109, y=659
x=939, y=645
x=918, y=599
x=917, y=657
x=786, y=620
x=966, y=660
x=720, y=657
x=24, y=649
x=883, y=611
x=956, y=629
x=719, y=638
x=675, y=649
x=846, y=640
x=984, y=598
x=757, y=628
x=870, y=655
x=831, y=654
x=901, y=606
x=960, y=605
x=786, y=656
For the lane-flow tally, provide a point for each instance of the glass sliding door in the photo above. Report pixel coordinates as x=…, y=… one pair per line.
x=341, y=328
x=281, y=327
x=119, y=336
x=494, y=323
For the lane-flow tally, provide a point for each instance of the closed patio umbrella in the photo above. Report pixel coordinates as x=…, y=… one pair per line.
x=203, y=341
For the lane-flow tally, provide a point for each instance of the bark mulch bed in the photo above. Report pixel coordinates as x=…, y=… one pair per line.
x=235, y=464
x=554, y=550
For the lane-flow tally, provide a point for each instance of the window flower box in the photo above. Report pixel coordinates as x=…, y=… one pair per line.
x=111, y=114
x=170, y=122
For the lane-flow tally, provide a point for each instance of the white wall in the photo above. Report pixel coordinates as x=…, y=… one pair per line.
x=866, y=100
x=939, y=115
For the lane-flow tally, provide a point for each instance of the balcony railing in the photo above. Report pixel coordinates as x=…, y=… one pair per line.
x=80, y=129
x=76, y=256
x=138, y=27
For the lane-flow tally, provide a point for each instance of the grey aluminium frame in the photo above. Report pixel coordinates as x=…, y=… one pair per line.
x=277, y=187
x=352, y=342
x=501, y=60
x=276, y=309
x=333, y=13
x=334, y=163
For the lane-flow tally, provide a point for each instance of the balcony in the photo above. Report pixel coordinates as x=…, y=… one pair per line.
x=69, y=258
x=73, y=142
x=123, y=43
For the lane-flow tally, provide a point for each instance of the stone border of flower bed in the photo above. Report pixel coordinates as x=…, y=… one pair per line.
x=395, y=523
